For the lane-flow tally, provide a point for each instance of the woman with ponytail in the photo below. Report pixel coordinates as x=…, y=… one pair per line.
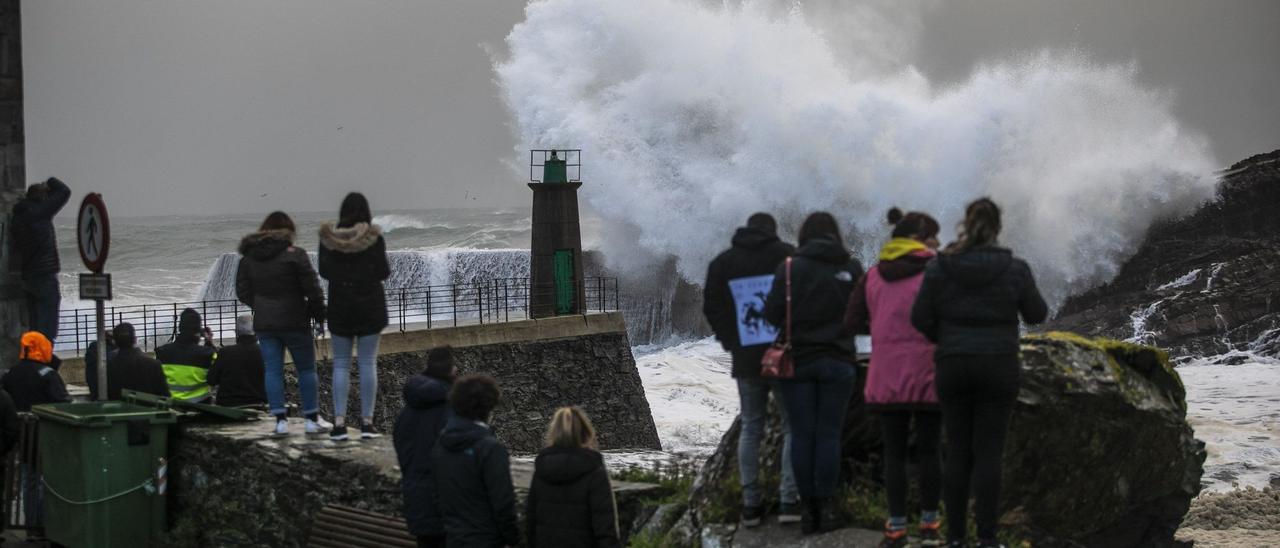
x=969, y=305
x=900, y=387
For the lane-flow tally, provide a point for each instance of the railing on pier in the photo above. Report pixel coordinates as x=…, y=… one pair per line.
x=423, y=307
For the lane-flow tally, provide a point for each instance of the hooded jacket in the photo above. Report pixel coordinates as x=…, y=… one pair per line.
x=33, y=233
x=969, y=302
x=130, y=369
x=822, y=277
x=473, y=486
x=239, y=374
x=426, y=409
x=901, y=372
x=354, y=260
x=276, y=280
x=738, y=281
x=571, y=501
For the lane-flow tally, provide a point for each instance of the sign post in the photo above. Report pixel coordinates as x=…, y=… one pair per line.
x=93, y=236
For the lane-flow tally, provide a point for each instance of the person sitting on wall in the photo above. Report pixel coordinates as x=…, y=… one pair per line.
x=425, y=412
x=35, y=379
x=37, y=247
x=239, y=371
x=130, y=369
x=473, y=470
x=186, y=360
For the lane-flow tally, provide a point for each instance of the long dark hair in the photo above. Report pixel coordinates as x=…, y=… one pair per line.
x=354, y=210
x=917, y=225
x=981, y=226
x=277, y=220
x=820, y=224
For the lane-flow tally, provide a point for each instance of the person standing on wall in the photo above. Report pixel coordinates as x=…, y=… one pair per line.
x=353, y=258
x=570, y=503
x=37, y=247
x=822, y=275
x=738, y=280
x=239, y=372
x=425, y=412
x=968, y=305
x=276, y=280
x=900, y=385
x=188, y=358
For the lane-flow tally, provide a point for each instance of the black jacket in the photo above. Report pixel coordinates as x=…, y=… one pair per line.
x=822, y=277
x=354, y=260
x=130, y=369
x=10, y=428
x=276, y=280
x=426, y=408
x=969, y=302
x=571, y=501
x=91, y=365
x=32, y=383
x=473, y=486
x=239, y=374
x=755, y=252
x=33, y=232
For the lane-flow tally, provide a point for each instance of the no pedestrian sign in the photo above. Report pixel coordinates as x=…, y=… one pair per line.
x=93, y=233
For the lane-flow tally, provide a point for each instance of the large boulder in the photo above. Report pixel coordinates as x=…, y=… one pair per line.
x=1099, y=451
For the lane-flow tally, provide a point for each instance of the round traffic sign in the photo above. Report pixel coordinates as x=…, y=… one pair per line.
x=93, y=232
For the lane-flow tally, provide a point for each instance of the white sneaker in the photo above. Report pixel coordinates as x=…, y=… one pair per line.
x=323, y=423
x=282, y=428
x=313, y=427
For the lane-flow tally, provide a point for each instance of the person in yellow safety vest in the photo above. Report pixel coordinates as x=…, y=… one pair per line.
x=187, y=360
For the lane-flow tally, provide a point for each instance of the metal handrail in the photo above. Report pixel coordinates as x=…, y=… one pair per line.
x=408, y=308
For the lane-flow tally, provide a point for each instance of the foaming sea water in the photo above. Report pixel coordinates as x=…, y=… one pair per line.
x=1235, y=410
x=691, y=394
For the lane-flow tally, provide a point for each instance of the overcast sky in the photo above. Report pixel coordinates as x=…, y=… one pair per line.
x=178, y=107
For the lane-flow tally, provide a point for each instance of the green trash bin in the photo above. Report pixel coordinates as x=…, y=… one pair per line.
x=104, y=466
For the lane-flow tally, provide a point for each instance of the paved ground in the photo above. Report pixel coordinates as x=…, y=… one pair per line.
x=771, y=534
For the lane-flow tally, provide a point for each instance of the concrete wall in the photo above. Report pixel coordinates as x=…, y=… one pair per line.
x=12, y=175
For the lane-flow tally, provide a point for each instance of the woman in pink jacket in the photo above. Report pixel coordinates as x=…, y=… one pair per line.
x=900, y=378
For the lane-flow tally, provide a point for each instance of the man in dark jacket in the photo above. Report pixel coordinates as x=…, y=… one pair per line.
x=130, y=369
x=425, y=412
x=733, y=299
x=239, y=372
x=37, y=247
x=473, y=470
x=186, y=360
x=35, y=379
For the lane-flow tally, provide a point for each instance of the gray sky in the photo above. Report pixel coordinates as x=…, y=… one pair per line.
x=203, y=107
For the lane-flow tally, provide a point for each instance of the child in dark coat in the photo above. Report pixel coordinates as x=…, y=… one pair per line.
x=571, y=500
x=426, y=409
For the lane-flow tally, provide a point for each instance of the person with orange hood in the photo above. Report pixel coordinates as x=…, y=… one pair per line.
x=35, y=380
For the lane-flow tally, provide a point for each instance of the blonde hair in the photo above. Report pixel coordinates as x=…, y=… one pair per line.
x=570, y=428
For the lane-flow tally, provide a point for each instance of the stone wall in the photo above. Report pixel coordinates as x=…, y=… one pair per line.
x=12, y=174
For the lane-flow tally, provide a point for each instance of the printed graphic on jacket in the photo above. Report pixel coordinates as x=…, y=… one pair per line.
x=748, y=298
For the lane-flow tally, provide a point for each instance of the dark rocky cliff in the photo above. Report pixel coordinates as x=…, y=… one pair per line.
x=1206, y=284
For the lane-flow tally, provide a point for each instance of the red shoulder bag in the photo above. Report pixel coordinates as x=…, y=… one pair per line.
x=777, y=362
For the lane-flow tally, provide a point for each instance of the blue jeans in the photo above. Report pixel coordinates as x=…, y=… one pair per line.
x=817, y=399
x=367, y=361
x=44, y=297
x=301, y=347
x=754, y=397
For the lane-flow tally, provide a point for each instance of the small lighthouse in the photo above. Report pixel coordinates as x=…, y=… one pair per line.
x=555, y=252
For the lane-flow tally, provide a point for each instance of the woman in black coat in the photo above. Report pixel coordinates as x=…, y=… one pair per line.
x=353, y=258
x=571, y=499
x=276, y=280
x=969, y=304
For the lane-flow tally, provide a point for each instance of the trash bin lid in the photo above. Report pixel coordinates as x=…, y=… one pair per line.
x=101, y=413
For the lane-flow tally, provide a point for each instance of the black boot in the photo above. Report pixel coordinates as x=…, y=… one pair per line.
x=809, y=519
x=829, y=517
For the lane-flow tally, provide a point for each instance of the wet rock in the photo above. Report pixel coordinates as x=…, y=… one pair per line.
x=1098, y=454
x=1202, y=285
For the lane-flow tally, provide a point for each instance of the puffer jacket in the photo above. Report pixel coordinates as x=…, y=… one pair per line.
x=901, y=372
x=571, y=501
x=276, y=280
x=473, y=484
x=33, y=233
x=426, y=409
x=822, y=277
x=354, y=260
x=738, y=281
x=969, y=302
